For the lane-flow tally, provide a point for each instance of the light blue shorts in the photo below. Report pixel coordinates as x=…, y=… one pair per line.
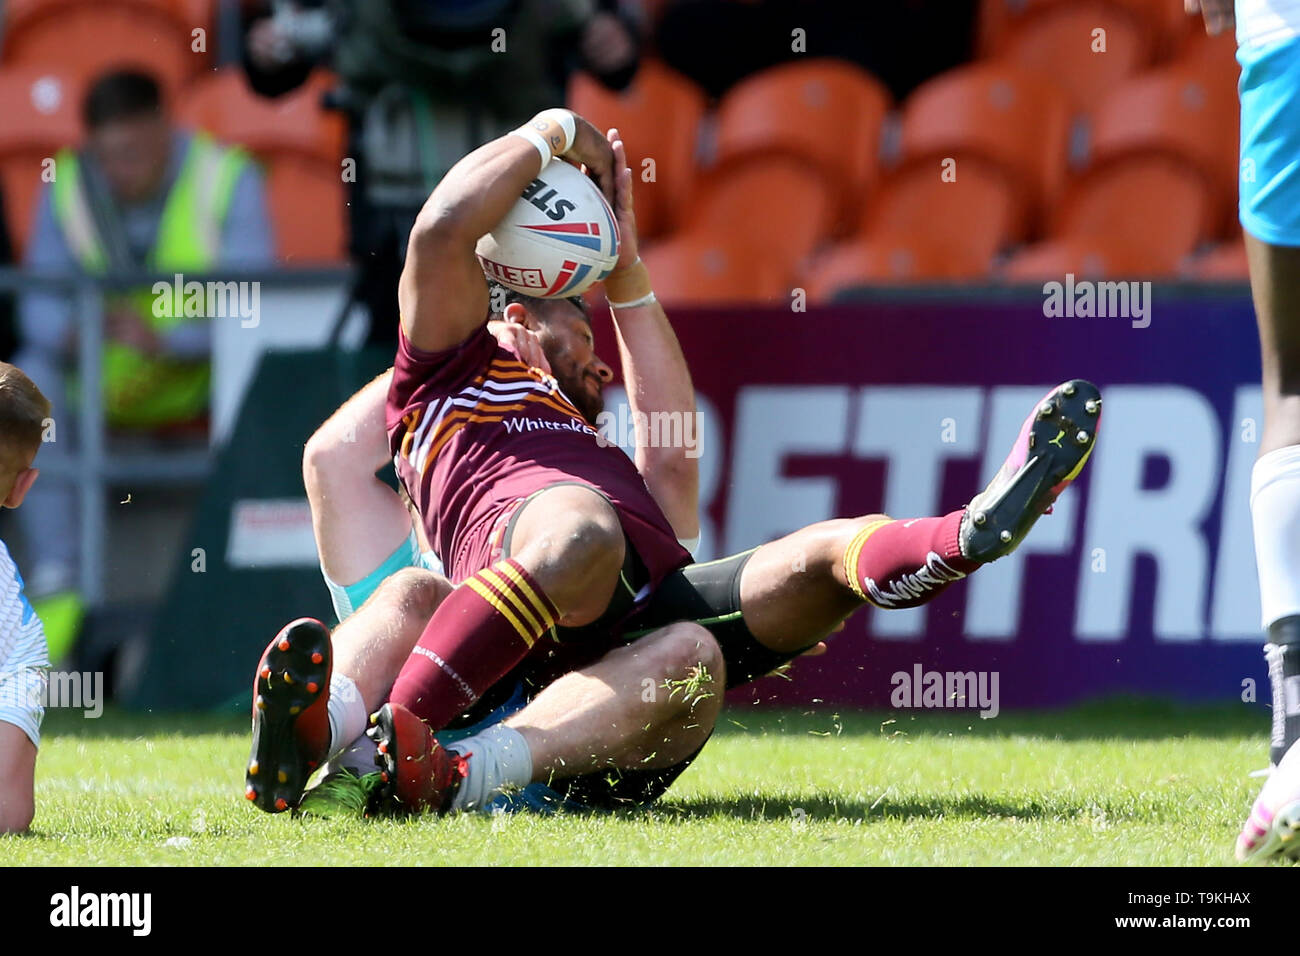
x=348, y=597
x=1270, y=141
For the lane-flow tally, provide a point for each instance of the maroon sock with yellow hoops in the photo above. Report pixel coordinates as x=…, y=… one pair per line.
x=482, y=630
x=896, y=563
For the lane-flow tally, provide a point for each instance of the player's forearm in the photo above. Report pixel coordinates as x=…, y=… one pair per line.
x=476, y=193
x=358, y=520
x=442, y=294
x=662, y=401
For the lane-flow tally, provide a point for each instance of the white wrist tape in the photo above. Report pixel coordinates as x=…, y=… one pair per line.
x=535, y=138
x=567, y=123
x=533, y=129
x=644, y=300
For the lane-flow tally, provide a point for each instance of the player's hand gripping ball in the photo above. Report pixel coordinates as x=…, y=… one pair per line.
x=558, y=240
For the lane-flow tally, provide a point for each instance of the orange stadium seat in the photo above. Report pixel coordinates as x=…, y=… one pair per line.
x=839, y=109
x=1170, y=22
x=223, y=103
x=196, y=13
x=307, y=208
x=717, y=270
x=1156, y=201
x=1178, y=110
x=997, y=18
x=997, y=112
x=774, y=201
x=1059, y=43
x=1163, y=22
x=1226, y=262
x=301, y=145
x=659, y=117
x=42, y=114
x=976, y=212
x=1214, y=58
x=88, y=37
x=1086, y=257
x=892, y=257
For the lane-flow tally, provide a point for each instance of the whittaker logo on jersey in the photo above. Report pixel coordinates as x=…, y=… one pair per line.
x=534, y=424
x=506, y=388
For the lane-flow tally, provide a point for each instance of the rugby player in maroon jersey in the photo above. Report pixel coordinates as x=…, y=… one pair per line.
x=571, y=587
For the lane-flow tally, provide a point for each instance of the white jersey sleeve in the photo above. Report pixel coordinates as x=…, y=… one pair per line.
x=24, y=655
x=22, y=638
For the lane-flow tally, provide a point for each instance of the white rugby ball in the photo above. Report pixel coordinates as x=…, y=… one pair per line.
x=558, y=239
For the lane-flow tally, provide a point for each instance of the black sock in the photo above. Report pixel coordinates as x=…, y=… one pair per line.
x=1283, y=654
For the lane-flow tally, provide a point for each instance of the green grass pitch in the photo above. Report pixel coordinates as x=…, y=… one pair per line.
x=1119, y=783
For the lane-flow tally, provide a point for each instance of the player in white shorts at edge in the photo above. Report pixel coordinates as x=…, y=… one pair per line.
x=1268, y=49
x=24, y=657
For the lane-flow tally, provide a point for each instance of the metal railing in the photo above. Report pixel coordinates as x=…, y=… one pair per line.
x=91, y=465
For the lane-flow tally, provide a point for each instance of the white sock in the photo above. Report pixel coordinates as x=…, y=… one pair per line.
x=1275, y=514
x=499, y=759
x=359, y=757
x=347, y=712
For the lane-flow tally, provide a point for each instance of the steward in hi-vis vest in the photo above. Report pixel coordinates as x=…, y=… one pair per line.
x=142, y=390
x=138, y=196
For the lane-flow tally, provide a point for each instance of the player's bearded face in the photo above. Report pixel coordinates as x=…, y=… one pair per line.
x=569, y=347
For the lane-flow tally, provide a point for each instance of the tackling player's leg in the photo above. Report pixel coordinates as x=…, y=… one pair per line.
x=617, y=732
x=312, y=693
x=845, y=564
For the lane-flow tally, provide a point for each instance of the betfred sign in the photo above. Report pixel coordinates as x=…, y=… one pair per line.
x=1143, y=578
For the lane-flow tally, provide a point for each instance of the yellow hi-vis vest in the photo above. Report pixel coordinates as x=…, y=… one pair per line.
x=140, y=390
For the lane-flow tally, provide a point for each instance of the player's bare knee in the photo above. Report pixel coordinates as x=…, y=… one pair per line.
x=687, y=657
x=573, y=544
x=416, y=592
x=318, y=459
x=595, y=540
x=570, y=523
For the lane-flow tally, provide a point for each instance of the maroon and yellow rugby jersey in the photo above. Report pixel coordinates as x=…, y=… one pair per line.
x=473, y=429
